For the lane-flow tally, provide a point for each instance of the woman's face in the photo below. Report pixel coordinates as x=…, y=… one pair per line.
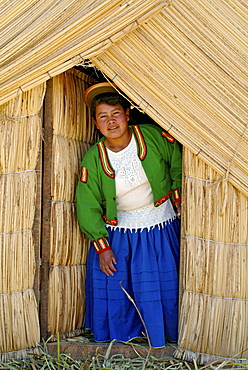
x=112, y=120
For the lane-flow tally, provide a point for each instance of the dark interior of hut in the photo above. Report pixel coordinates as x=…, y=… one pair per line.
x=137, y=117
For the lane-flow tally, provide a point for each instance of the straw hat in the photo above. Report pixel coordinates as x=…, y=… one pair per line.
x=100, y=88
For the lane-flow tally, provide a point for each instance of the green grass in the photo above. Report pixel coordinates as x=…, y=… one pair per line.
x=104, y=362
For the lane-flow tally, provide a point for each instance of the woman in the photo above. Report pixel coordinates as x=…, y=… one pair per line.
x=128, y=182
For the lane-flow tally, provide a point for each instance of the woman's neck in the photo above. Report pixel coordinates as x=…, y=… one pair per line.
x=116, y=145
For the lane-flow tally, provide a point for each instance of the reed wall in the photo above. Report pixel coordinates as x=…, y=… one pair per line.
x=214, y=277
x=20, y=138
x=73, y=134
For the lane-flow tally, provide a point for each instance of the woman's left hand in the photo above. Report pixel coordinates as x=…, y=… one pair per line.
x=107, y=261
x=178, y=207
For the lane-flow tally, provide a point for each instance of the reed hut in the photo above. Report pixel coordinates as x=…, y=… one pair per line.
x=181, y=62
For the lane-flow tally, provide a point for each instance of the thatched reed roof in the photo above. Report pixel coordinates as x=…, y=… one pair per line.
x=183, y=62
x=40, y=39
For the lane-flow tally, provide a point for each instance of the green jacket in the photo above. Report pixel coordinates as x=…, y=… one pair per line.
x=161, y=159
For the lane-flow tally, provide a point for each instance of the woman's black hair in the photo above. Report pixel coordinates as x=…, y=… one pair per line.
x=108, y=98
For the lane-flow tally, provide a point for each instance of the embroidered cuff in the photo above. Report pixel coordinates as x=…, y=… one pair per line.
x=101, y=245
x=176, y=196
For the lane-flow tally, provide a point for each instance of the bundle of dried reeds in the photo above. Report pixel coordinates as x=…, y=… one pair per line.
x=66, y=299
x=19, y=323
x=69, y=246
x=71, y=116
x=67, y=155
x=221, y=209
x=21, y=131
x=214, y=278
x=73, y=133
x=214, y=273
x=16, y=254
x=212, y=327
x=20, y=136
x=18, y=196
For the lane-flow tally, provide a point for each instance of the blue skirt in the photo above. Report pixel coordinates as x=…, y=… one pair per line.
x=147, y=267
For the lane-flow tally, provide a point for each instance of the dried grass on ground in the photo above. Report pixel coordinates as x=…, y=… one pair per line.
x=118, y=362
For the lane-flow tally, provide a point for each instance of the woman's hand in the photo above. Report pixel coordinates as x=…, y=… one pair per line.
x=107, y=261
x=178, y=207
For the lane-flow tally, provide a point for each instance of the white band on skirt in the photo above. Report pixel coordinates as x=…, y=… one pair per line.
x=146, y=217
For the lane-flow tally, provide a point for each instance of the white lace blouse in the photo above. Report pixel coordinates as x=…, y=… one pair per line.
x=133, y=192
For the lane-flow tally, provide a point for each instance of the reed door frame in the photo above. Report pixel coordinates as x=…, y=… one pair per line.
x=46, y=200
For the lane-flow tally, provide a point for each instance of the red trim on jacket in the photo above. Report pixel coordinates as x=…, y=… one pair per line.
x=168, y=137
x=84, y=175
x=106, y=166
x=141, y=142
x=109, y=221
x=162, y=200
